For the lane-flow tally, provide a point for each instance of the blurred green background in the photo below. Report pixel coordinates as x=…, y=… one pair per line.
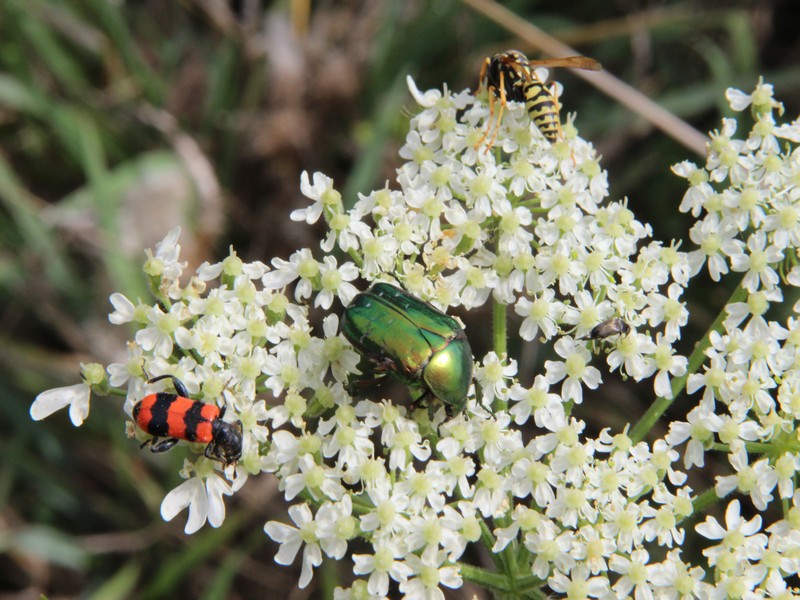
x=121, y=120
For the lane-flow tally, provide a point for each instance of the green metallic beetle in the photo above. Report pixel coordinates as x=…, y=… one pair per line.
x=410, y=339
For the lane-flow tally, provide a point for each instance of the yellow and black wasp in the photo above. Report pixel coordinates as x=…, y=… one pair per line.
x=510, y=76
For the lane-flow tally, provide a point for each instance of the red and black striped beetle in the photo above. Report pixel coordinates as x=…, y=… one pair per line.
x=178, y=417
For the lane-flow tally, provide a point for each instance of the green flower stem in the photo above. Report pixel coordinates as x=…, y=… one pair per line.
x=716, y=446
x=500, y=340
x=485, y=579
x=530, y=586
x=508, y=559
x=499, y=329
x=764, y=447
x=487, y=539
x=704, y=500
x=509, y=581
x=362, y=504
x=356, y=257
x=697, y=358
x=504, y=586
x=154, y=286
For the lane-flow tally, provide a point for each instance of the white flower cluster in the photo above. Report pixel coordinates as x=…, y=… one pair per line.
x=747, y=201
x=525, y=225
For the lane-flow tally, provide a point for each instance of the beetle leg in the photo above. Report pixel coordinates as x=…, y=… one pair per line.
x=212, y=452
x=176, y=383
x=424, y=399
x=427, y=400
x=156, y=446
x=355, y=386
x=386, y=365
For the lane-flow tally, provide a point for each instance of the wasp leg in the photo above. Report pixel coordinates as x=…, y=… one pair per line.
x=481, y=79
x=503, y=101
x=499, y=114
x=560, y=132
x=554, y=95
x=489, y=120
x=490, y=91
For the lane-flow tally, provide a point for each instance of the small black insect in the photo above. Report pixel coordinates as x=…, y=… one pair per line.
x=613, y=326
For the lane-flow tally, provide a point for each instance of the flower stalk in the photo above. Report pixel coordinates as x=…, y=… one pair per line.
x=696, y=359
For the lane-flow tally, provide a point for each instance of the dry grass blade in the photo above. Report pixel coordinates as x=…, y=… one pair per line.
x=604, y=81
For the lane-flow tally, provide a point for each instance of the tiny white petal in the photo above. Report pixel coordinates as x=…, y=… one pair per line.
x=738, y=99
x=279, y=532
x=216, y=488
x=75, y=396
x=190, y=493
x=123, y=309
x=198, y=513
x=209, y=272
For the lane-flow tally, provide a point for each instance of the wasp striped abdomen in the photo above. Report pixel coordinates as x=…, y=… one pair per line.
x=543, y=109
